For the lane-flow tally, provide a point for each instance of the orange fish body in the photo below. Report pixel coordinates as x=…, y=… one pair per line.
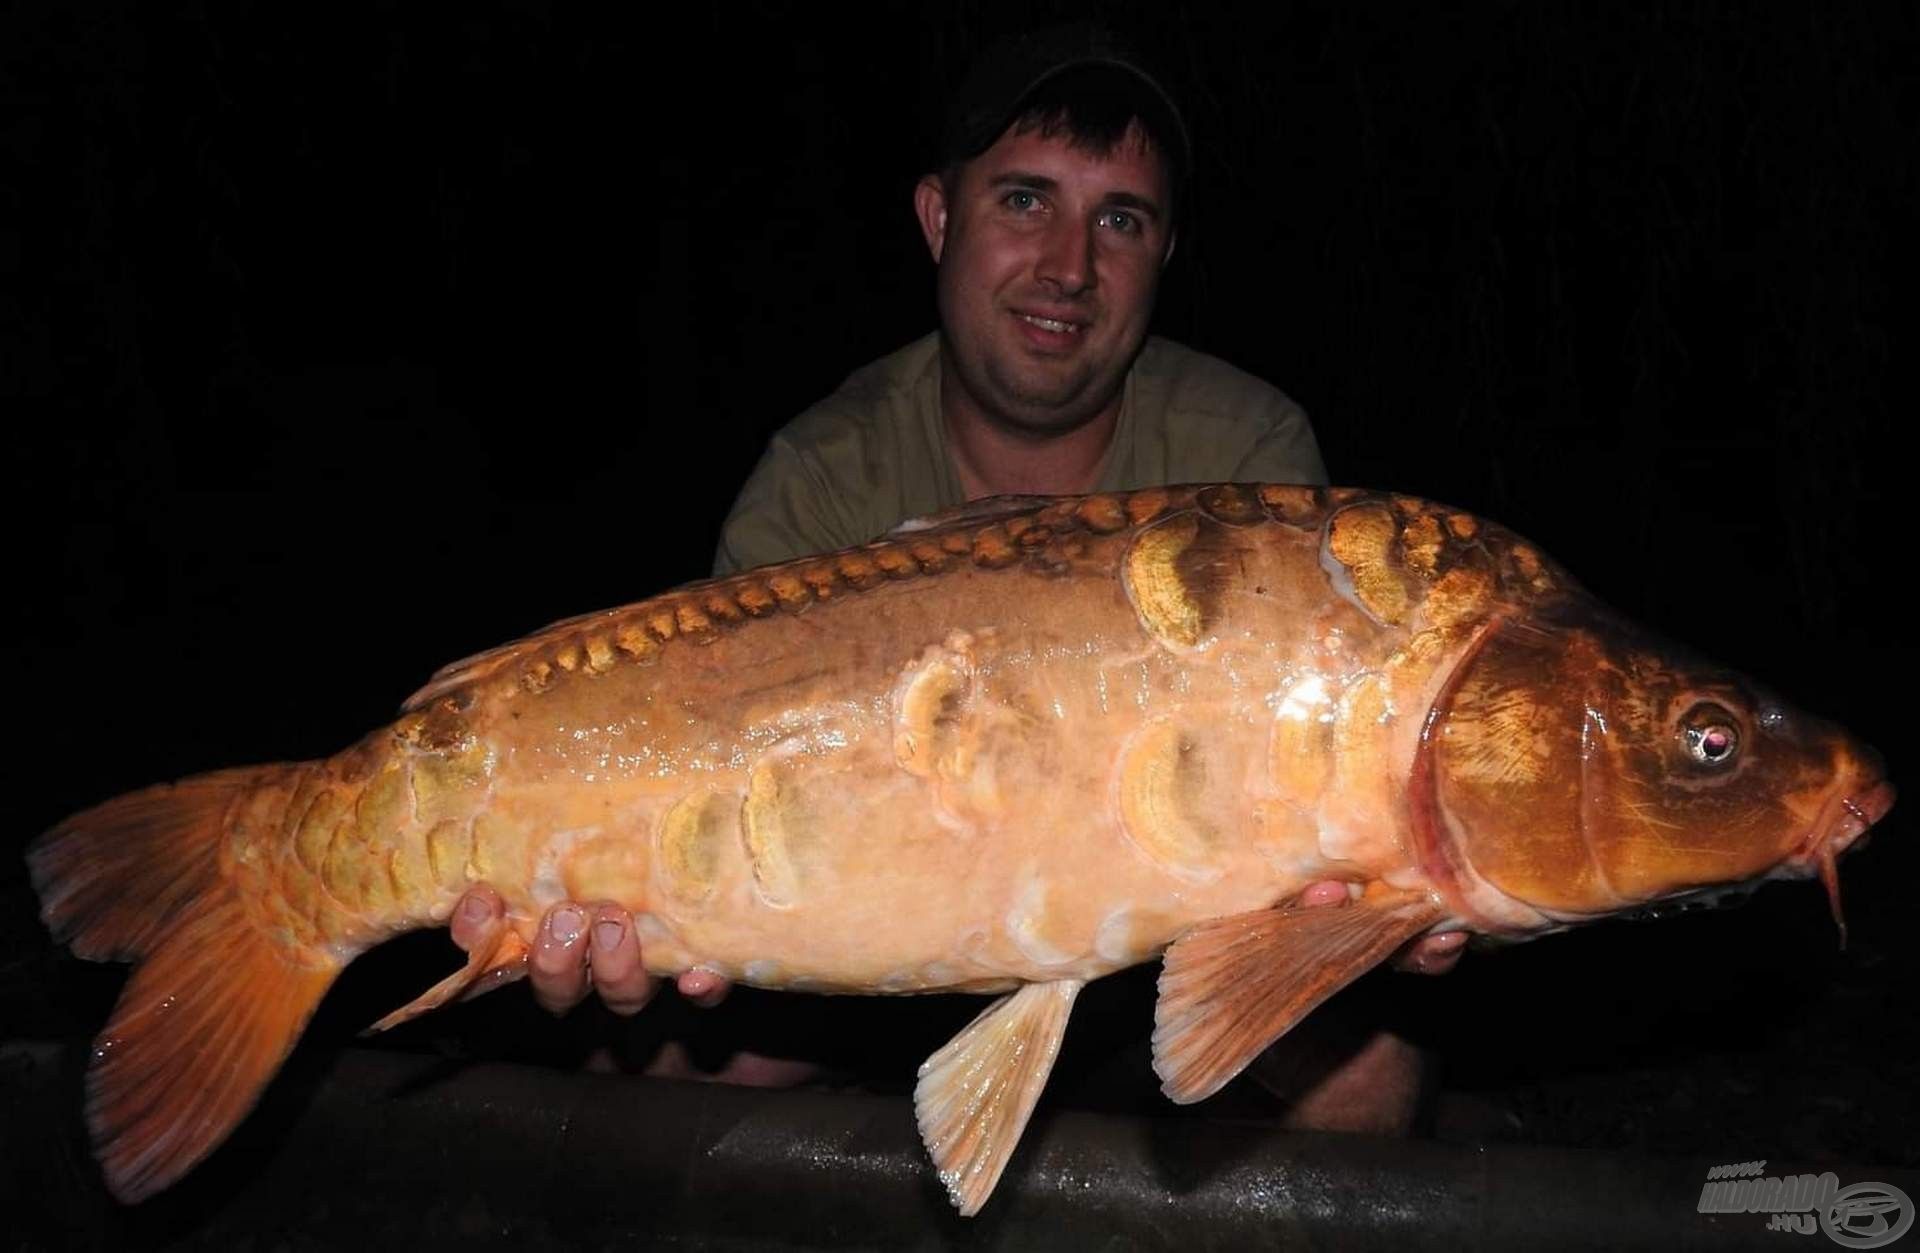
x=1010, y=750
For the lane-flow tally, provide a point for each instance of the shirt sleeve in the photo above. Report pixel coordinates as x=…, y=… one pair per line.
x=787, y=509
x=1287, y=453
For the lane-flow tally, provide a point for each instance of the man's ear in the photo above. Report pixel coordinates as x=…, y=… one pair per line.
x=1173, y=237
x=930, y=206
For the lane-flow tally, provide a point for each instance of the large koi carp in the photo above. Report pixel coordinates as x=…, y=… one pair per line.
x=1004, y=751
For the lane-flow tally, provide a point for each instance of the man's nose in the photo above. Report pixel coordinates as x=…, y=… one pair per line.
x=1066, y=257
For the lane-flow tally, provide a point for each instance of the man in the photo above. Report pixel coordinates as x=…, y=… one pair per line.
x=1050, y=221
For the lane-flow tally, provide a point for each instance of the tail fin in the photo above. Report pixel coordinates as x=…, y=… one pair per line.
x=214, y=1005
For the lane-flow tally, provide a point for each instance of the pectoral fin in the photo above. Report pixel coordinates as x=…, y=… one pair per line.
x=1232, y=986
x=488, y=966
x=974, y=1095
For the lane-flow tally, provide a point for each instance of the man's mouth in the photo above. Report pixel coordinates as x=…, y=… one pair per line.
x=1051, y=329
x=1057, y=325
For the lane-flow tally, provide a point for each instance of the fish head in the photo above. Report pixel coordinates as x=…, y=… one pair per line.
x=1576, y=766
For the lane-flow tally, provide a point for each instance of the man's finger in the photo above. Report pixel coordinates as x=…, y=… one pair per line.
x=623, y=983
x=1433, y=954
x=1325, y=892
x=477, y=917
x=703, y=987
x=1429, y=955
x=559, y=966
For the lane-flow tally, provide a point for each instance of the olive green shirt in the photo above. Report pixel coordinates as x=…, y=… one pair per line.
x=874, y=453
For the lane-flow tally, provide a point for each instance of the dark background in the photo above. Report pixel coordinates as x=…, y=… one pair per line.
x=339, y=343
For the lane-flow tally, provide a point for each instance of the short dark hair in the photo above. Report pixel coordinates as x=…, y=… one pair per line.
x=1079, y=81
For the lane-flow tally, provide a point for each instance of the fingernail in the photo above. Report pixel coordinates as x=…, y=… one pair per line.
x=476, y=909
x=566, y=924
x=606, y=934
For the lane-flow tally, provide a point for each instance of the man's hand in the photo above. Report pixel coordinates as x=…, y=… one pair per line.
x=578, y=947
x=1429, y=955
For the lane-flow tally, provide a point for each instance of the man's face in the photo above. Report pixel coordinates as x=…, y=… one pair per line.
x=1049, y=262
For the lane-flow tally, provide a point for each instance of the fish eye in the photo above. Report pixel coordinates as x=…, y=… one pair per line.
x=1711, y=735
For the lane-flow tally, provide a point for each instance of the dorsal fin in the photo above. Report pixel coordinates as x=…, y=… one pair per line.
x=973, y=512
x=481, y=664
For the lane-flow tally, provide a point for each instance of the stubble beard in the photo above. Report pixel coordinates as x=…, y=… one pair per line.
x=1041, y=403
x=1034, y=399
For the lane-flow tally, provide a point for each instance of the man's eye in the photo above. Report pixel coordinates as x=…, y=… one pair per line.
x=1021, y=201
x=1122, y=221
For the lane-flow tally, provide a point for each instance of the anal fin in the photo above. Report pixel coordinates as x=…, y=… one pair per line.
x=489, y=966
x=975, y=1095
x=1232, y=986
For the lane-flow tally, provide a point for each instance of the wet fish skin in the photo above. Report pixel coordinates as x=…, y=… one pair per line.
x=1013, y=749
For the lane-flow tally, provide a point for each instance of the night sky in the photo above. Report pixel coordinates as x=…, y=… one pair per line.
x=339, y=344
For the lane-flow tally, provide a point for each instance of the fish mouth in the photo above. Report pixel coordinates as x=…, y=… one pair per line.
x=1844, y=819
x=1843, y=823
x=1866, y=808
